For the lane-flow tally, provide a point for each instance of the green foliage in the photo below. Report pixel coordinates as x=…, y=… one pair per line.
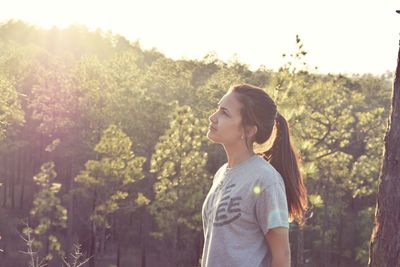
x=48, y=211
x=365, y=223
x=169, y=79
x=109, y=177
x=52, y=99
x=216, y=86
x=11, y=114
x=142, y=200
x=71, y=84
x=181, y=177
x=315, y=200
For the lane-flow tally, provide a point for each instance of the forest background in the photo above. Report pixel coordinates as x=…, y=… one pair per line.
x=103, y=144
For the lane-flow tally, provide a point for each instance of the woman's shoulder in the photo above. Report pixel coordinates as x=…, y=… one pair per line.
x=220, y=171
x=264, y=173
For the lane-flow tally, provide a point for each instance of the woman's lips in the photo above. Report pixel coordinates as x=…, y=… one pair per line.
x=212, y=128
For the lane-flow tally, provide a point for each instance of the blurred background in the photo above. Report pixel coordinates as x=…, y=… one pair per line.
x=104, y=112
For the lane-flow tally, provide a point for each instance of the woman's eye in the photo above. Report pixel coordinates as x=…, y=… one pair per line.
x=223, y=112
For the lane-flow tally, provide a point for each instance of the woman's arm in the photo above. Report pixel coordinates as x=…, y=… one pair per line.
x=278, y=243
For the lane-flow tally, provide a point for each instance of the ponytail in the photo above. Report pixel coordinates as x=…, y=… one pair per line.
x=283, y=157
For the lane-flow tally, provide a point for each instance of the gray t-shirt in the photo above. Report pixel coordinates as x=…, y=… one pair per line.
x=242, y=205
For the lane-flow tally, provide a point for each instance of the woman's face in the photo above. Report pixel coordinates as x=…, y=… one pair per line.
x=225, y=123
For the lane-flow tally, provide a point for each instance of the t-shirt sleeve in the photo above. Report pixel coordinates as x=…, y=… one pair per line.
x=204, y=220
x=271, y=208
x=217, y=175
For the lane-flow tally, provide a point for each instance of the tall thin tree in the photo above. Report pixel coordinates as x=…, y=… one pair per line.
x=385, y=238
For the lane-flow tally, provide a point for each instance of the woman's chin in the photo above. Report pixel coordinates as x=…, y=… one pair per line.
x=210, y=136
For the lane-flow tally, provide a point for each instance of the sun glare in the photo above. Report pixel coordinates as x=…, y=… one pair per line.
x=265, y=30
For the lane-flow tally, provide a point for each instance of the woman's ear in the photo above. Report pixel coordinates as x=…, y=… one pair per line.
x=251, y=131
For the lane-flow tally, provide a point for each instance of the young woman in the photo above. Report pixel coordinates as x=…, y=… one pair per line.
x=247, y=210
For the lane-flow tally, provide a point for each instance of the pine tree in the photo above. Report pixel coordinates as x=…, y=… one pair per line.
x=10, y=108
x=106, y=180
x=48, y=212
x=182, y=181
x=385, y=241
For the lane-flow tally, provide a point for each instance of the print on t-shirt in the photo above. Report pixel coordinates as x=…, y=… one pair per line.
x=228, y=209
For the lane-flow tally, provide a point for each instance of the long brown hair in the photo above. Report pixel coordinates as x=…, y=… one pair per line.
x=260, y=110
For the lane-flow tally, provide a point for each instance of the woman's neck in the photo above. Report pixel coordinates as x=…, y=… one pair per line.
x=236, y=156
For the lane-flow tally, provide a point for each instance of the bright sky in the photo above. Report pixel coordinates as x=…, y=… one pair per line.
x=341, y=36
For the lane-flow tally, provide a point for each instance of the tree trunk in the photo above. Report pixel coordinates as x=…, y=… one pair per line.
x=339, y=242
x=143, y=258
x=143, y=234
x=25, y=170
x=92, y=251
x=18, y=170
x=119, y=254
x=5, y=181
x=300, y=247
x=325, y=227
x=69, y=180
x=13, y=177
x=384, y=248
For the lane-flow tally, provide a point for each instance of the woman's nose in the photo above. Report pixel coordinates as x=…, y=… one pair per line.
x=212, y=118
